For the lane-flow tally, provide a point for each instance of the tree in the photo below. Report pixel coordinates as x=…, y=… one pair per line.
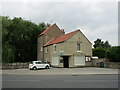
x=113, y=54
x=98, y=43
x=19, y=39
x=106, y=45
x=101, y=44
x=8, y=51
x=100, y=48
x=100, y=52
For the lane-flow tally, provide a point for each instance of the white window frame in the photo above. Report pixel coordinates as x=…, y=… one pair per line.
x=79, y=47
x=87, y=59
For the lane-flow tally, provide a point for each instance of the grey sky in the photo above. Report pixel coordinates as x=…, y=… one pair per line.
x=94, y=19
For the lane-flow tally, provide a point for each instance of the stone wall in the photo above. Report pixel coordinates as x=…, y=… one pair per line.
x=15, y=65
x=107, y=64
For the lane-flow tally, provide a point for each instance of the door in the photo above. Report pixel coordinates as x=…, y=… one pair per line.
x=40, y=65
x=101, y=64
x=66, y=61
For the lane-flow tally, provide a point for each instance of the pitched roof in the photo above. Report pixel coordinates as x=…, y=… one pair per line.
x=61, y=38
x=48, y=29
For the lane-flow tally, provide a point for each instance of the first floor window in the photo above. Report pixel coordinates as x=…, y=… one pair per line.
x=41, y=48
x=54, y=48
x=78, y=46
x=46, y=50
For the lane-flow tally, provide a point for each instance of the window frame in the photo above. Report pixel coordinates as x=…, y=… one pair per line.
x=46, y=50
x=78, y=47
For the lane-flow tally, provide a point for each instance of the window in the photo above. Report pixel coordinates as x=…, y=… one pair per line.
x=87, y=59
x=41, y=48
x=78, y=46
x=54, y=48
x=46, y=50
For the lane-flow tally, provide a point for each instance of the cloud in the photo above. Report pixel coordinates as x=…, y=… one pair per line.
x=95, y=19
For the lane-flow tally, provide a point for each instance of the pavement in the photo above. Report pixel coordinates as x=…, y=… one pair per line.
x=61, y=71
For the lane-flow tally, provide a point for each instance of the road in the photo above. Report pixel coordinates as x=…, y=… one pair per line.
x=60, y=81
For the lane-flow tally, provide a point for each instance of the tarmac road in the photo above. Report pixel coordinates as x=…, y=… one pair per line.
x=60, y=81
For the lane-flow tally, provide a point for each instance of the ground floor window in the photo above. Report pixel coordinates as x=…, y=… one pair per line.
x=87, y=59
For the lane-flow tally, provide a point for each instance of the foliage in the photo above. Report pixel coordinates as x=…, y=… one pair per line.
x=105, y=50
x=100, y=48
x=19, y=39
x=101, y=44
x=113, y=54
x=100, y=52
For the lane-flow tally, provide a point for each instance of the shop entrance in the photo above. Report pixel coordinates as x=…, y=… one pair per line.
x=65, y=61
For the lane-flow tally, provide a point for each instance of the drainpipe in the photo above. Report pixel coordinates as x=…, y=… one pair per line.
x=43, y=47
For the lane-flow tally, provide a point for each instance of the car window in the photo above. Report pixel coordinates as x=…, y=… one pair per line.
x=38, y=62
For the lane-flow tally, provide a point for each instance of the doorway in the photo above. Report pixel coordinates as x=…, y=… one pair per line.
x=66, y=61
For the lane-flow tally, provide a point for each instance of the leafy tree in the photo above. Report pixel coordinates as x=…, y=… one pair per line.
x=7, y=50
x=101, y=44
x=100, y=52
x=100, y=48
x=19, y=39
x=113, y=54
x=98, y=43
x=106, y=45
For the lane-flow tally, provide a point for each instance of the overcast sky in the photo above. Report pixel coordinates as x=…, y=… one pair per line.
x=95, y=19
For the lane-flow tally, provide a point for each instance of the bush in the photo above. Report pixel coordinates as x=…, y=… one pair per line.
x=113, y=54
x=100, y=52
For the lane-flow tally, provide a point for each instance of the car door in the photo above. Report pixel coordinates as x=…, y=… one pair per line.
x=37, y=64
x=40, y=64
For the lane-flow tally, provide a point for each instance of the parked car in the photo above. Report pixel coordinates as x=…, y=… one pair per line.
x=34, y=65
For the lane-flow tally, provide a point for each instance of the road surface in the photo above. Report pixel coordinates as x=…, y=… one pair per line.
x=60, y=81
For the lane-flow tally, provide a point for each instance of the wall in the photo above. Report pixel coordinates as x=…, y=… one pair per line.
x=107, y=64
x=15, y=65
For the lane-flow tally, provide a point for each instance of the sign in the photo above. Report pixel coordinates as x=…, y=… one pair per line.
x=61, y=52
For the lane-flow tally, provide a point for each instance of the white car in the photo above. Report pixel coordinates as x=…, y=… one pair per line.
x=34, y=65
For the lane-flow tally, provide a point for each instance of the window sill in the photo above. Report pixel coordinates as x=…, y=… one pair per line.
x=79, y=51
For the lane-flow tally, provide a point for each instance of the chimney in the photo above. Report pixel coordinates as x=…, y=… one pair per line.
x=63, y=31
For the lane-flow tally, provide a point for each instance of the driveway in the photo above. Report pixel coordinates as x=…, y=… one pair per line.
x=61, y=71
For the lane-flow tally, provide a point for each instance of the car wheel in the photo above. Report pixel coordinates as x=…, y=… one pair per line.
x=34, y=68
x=47, y=67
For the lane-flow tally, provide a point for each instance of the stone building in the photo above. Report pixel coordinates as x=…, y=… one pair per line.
x=63, y=50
